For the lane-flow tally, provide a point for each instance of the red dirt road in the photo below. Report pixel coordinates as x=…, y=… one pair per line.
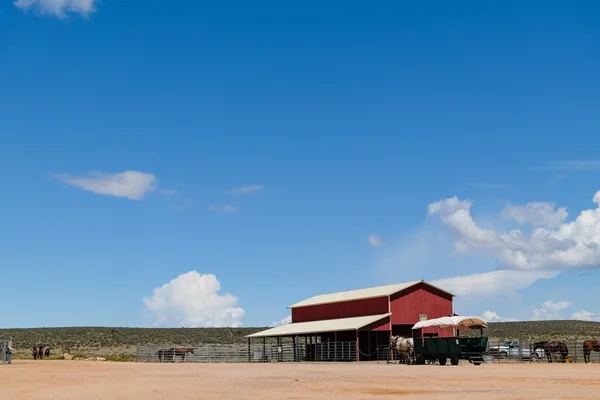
x=82, y=380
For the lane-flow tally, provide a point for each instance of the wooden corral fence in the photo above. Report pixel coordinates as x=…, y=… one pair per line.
x=242, y=353
x=522, y=350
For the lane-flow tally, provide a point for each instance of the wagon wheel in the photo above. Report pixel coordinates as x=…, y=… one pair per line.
x=443, y=360
x=420, y=359
x=454, y=359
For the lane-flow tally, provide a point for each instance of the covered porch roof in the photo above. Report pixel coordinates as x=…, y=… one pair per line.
x=330, y=325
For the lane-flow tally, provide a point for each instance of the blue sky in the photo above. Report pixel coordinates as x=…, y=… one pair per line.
x=127, y=126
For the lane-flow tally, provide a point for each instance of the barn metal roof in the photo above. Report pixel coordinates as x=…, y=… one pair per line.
x=331, y=325
x=378, y=291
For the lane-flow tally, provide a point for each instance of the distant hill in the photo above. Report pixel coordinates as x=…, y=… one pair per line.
x=525, y=330
x=90, y=337
x=106, y=337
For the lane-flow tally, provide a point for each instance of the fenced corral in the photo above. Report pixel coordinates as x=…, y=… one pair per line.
x=525, y=351
x=242, y=353
x=5, y=352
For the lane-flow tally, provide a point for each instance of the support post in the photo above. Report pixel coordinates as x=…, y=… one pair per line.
x=264, y=354
x=335, y=346
x=249, y=353
x=294, y=347
x=357, y=349
x=391, y=347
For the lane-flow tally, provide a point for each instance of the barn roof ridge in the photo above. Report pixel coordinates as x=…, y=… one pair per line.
x=361, y=294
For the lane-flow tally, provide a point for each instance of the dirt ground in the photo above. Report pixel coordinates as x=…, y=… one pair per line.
x=103, y=380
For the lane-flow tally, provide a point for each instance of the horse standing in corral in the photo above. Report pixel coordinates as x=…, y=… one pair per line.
x=168, y=355
x=588, y=347
x=553, y=346
x=405, y=348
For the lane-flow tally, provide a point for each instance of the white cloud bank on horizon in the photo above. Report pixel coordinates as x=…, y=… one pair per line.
x=559, y=246
x=192, y=300
x=132, y=185
x=281, y=322
x=58, y=8
x=491, y=316
x=549, y=310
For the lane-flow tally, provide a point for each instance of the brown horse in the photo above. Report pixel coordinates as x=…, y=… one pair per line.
x=588, y=347
x=34, y=353
x=168, y=355
x=553, y=346
x=40, y=353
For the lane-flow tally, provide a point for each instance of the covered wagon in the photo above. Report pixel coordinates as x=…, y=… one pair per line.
x=453, y=348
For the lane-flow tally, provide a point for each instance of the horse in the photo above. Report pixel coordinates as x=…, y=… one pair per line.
x=553, y=346
x=588, y=347
x=40, y=353
x=168, y=355
x=34, y=353
x=47, y=351
x=405, y=348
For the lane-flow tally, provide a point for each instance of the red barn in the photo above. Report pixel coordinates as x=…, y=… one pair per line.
x=366, y=317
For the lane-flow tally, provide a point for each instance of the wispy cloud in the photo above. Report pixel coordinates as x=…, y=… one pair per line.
x=490, y=185
x=374, y=240
x=243, y=190
x=223, y=208
x=58, y=8
x=570, y=165
x=133, y=185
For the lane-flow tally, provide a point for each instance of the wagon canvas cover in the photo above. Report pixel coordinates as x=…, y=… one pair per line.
x=458, y=322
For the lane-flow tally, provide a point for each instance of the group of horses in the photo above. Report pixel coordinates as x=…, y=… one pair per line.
x=39, y=352
x=554, y=346
x=406, y=348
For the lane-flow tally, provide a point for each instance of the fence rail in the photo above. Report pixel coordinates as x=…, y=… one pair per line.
x=211, y=353
x=521, y=351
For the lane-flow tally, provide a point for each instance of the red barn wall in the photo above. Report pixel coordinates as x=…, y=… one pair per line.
x=383, y=325
x=345, y=309
x=421, y=299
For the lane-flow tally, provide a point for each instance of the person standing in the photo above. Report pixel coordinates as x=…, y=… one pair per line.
x=7, y=352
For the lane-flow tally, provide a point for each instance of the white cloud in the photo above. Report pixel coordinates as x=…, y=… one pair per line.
x=374, y=240
x=129, y=184
x=550, y=310
x=246, y=190
x=583, y=315
x=224, y=208
x=58, y=8
x=570, y=245
x=536, y=214
x=193, y=300
x=495, y=282
x=491, y=316
x=283, y=321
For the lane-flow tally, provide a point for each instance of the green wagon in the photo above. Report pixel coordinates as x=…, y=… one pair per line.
x=452, y=348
